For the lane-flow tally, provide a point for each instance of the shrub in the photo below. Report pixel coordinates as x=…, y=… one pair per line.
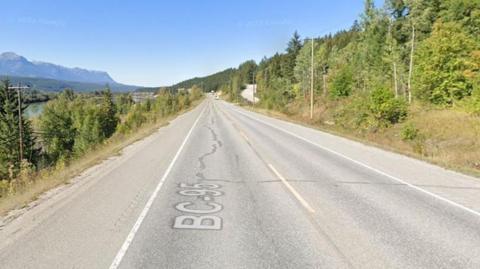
x=385, y=108
x=409, y=132
x=353, y=115
x=473, y=103
x=135, y=118
x=195, y=93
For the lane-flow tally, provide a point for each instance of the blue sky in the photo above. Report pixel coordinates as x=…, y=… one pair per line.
x=153, y=43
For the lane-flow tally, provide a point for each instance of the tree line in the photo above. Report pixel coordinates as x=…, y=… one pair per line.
x=409, y=52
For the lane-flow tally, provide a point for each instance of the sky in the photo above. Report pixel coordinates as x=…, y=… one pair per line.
x=159, y=43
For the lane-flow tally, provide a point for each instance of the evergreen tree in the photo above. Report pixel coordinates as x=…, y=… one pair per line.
x=57, y=127
x=124, y=102
x=89, y=131
x=295, y=44
x=246, y=71
x=371, y=47
x=293, y=48
x=10, y=121
x=108, y=119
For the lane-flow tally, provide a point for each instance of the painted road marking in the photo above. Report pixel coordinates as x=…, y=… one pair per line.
x=205, y=192
x=121, y=253
x=198, y=222
x=244, y=135
x=272, y=168
x=291, y=189
x=452, y=203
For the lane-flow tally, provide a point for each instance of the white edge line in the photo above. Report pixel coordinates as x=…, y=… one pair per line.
x=292, y=190
x=126, y=244
x=367, y=166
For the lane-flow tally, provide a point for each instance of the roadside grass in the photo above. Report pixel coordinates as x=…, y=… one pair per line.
x=445, y=137
x=29, y=186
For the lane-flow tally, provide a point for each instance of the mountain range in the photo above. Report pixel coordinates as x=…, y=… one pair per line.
x=20, y=69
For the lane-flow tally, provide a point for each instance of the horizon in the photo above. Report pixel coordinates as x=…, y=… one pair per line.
x=177, y=45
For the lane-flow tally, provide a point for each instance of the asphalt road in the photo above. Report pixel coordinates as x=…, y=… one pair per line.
x=222, y=187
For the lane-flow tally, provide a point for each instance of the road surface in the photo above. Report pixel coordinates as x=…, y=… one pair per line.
x=222, y=187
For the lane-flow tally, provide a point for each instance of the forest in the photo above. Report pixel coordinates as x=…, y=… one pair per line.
x=404, y=76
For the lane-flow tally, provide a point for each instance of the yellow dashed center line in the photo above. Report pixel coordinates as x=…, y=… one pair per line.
x=291, y=189
x=295, y=193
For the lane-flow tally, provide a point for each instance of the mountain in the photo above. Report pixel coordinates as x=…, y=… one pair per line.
x=52, y=77
x=12, y=64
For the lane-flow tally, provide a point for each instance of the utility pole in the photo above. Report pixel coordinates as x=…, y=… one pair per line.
x=395, y=79
x=311, y=86
x=324, y=80
x=411, y=66
x=20, y=121
x=253, y=89
x=393, y=58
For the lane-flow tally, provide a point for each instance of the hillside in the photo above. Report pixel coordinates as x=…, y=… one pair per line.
x=208, y=83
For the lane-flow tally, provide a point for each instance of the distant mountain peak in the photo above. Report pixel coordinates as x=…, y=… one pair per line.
x=11, y=56
x=12, y=64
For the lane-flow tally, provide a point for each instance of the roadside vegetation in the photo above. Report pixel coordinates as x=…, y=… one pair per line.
x=405, y=77
x=74, y=132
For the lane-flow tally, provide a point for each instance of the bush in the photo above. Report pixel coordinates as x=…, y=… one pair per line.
x=354, y=114
x=183, y=101
x=385, y=108
x=409, y=132
x=135, y=118
x=473, y=103
x=380, y=108
x=195, y=93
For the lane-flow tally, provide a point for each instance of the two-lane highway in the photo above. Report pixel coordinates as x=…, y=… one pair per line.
x=223, y=187
x=222, y=207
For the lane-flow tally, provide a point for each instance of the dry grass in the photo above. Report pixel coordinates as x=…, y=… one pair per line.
x=452, y=138
x=48, y=179
x=448, y=138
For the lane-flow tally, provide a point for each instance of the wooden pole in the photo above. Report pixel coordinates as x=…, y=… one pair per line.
x=253, y=89
x=20, y=122
x=311, y=86
x=411, y=66
x=324, y=81
x=395, y=79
